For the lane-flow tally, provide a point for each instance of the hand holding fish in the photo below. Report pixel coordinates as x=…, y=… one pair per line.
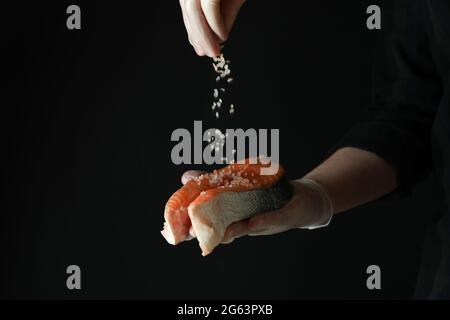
x=236, y=200
x=309, y=207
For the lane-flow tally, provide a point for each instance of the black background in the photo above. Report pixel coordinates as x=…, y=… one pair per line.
x=86, y=122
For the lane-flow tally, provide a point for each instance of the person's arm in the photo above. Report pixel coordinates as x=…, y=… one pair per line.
x=353, y=177
x=350, y=177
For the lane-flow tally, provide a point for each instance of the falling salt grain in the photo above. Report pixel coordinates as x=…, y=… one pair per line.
x=216, y=93
x=217, y=115
x=230, y=80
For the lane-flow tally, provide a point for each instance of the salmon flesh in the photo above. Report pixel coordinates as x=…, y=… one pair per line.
x=207, y=205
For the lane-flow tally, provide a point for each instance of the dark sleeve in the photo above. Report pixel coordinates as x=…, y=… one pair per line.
x=407, y=91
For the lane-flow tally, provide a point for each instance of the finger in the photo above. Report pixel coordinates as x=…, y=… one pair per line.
x=212, y=11
x=197, y=49
x=266, y=223
x=189, y=175
x=201, y=33
x=236, y=230
x=230, y=10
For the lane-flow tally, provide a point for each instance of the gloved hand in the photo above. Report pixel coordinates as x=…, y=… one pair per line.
x=309, y=208
x=209, y=22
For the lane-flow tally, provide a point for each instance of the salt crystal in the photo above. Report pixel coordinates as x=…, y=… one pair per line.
x=230, y=80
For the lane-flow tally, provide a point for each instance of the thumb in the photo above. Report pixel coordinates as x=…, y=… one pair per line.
x=189, y=175
x=212, y=11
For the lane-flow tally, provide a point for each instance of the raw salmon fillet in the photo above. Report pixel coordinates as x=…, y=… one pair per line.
x=213, y=201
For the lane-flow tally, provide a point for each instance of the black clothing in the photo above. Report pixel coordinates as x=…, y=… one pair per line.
x=408, y=123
